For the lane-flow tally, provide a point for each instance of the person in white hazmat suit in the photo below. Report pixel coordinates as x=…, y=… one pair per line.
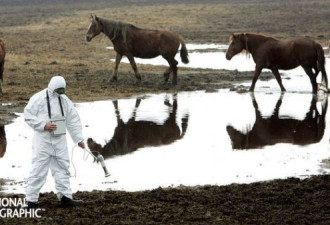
x=50, y=150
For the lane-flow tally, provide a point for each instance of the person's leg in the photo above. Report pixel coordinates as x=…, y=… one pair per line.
x=38, y=173
x=60, y=171
x=59, y=166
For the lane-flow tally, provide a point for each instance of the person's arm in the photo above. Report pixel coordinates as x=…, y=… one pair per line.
x=74, y=124
x=30, y=114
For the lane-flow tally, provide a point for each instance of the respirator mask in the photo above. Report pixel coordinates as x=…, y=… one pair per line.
x=60, y=91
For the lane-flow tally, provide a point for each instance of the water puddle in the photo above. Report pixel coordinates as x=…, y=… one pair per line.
x=190, y=138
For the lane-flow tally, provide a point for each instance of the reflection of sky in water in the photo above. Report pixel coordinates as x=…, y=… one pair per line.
x=203, y=156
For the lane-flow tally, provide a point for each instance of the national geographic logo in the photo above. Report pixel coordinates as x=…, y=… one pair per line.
x=16, y=208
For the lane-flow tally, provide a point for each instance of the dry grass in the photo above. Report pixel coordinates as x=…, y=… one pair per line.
x=47, y=39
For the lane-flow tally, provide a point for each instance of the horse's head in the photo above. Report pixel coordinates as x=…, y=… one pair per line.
x=239, y=140
x=95, y=28
x=238, y=42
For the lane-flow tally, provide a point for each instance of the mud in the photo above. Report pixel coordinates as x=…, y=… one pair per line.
x=46, y=38
x=290, y=201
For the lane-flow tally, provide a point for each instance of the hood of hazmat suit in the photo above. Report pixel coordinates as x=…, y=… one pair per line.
x=49, y=151
x=56, y=82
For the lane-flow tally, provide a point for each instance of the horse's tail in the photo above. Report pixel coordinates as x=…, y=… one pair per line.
x=321, y=64
x=184, y=52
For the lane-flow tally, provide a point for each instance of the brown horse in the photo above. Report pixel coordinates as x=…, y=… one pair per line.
x=131, y=42
x=273, y=130
x=132, y=135
x=273, y=54
x=2, y=63
x=3, y=141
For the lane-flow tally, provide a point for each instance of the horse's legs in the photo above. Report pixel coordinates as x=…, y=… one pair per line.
x=255, y=77
x=276, y=111
x=137, y=103
x=256, y=107
x=133, y=64
x=312, y=78
x=167, y=74
x=175, y=72
x=115, y=104
x=316, y=69
x=115, y=71
x=278, y=78
x=173, y=66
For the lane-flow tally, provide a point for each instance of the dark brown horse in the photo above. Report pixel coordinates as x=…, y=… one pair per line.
x=273, y=54
x=273, y=130
x=131, y=42
x=132, y=135
x=2, y=63
x=3, y=141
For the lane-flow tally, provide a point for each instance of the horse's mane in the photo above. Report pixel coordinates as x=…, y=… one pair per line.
x=115, y=29
x=245, y=35
x=231, y=37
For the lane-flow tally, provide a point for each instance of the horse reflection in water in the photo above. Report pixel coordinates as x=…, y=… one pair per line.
x=3, y=141
x=132, y=135
x=273, y=130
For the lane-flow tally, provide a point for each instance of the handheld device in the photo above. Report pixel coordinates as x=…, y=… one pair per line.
x=100, y=159
x=60, y=127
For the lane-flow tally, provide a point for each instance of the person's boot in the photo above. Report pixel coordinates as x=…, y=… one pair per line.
x=66, y=202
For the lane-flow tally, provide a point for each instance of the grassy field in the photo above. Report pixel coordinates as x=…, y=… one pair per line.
x=46, y=38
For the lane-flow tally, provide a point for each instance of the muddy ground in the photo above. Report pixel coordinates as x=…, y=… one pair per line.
x=290, y=201
x=47, y=38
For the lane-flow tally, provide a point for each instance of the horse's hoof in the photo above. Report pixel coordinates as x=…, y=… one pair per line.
x=112, y=80
x=166, y=77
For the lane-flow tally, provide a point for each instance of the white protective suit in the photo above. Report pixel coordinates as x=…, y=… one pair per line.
x=50, y=151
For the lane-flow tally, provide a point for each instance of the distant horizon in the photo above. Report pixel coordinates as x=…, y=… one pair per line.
x=117, y=2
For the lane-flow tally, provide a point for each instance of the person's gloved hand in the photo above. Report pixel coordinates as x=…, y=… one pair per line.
x=81, y=144
x=50, y=126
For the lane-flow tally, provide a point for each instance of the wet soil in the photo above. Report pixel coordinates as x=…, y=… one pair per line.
x=290, y=201
x=46, y=38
